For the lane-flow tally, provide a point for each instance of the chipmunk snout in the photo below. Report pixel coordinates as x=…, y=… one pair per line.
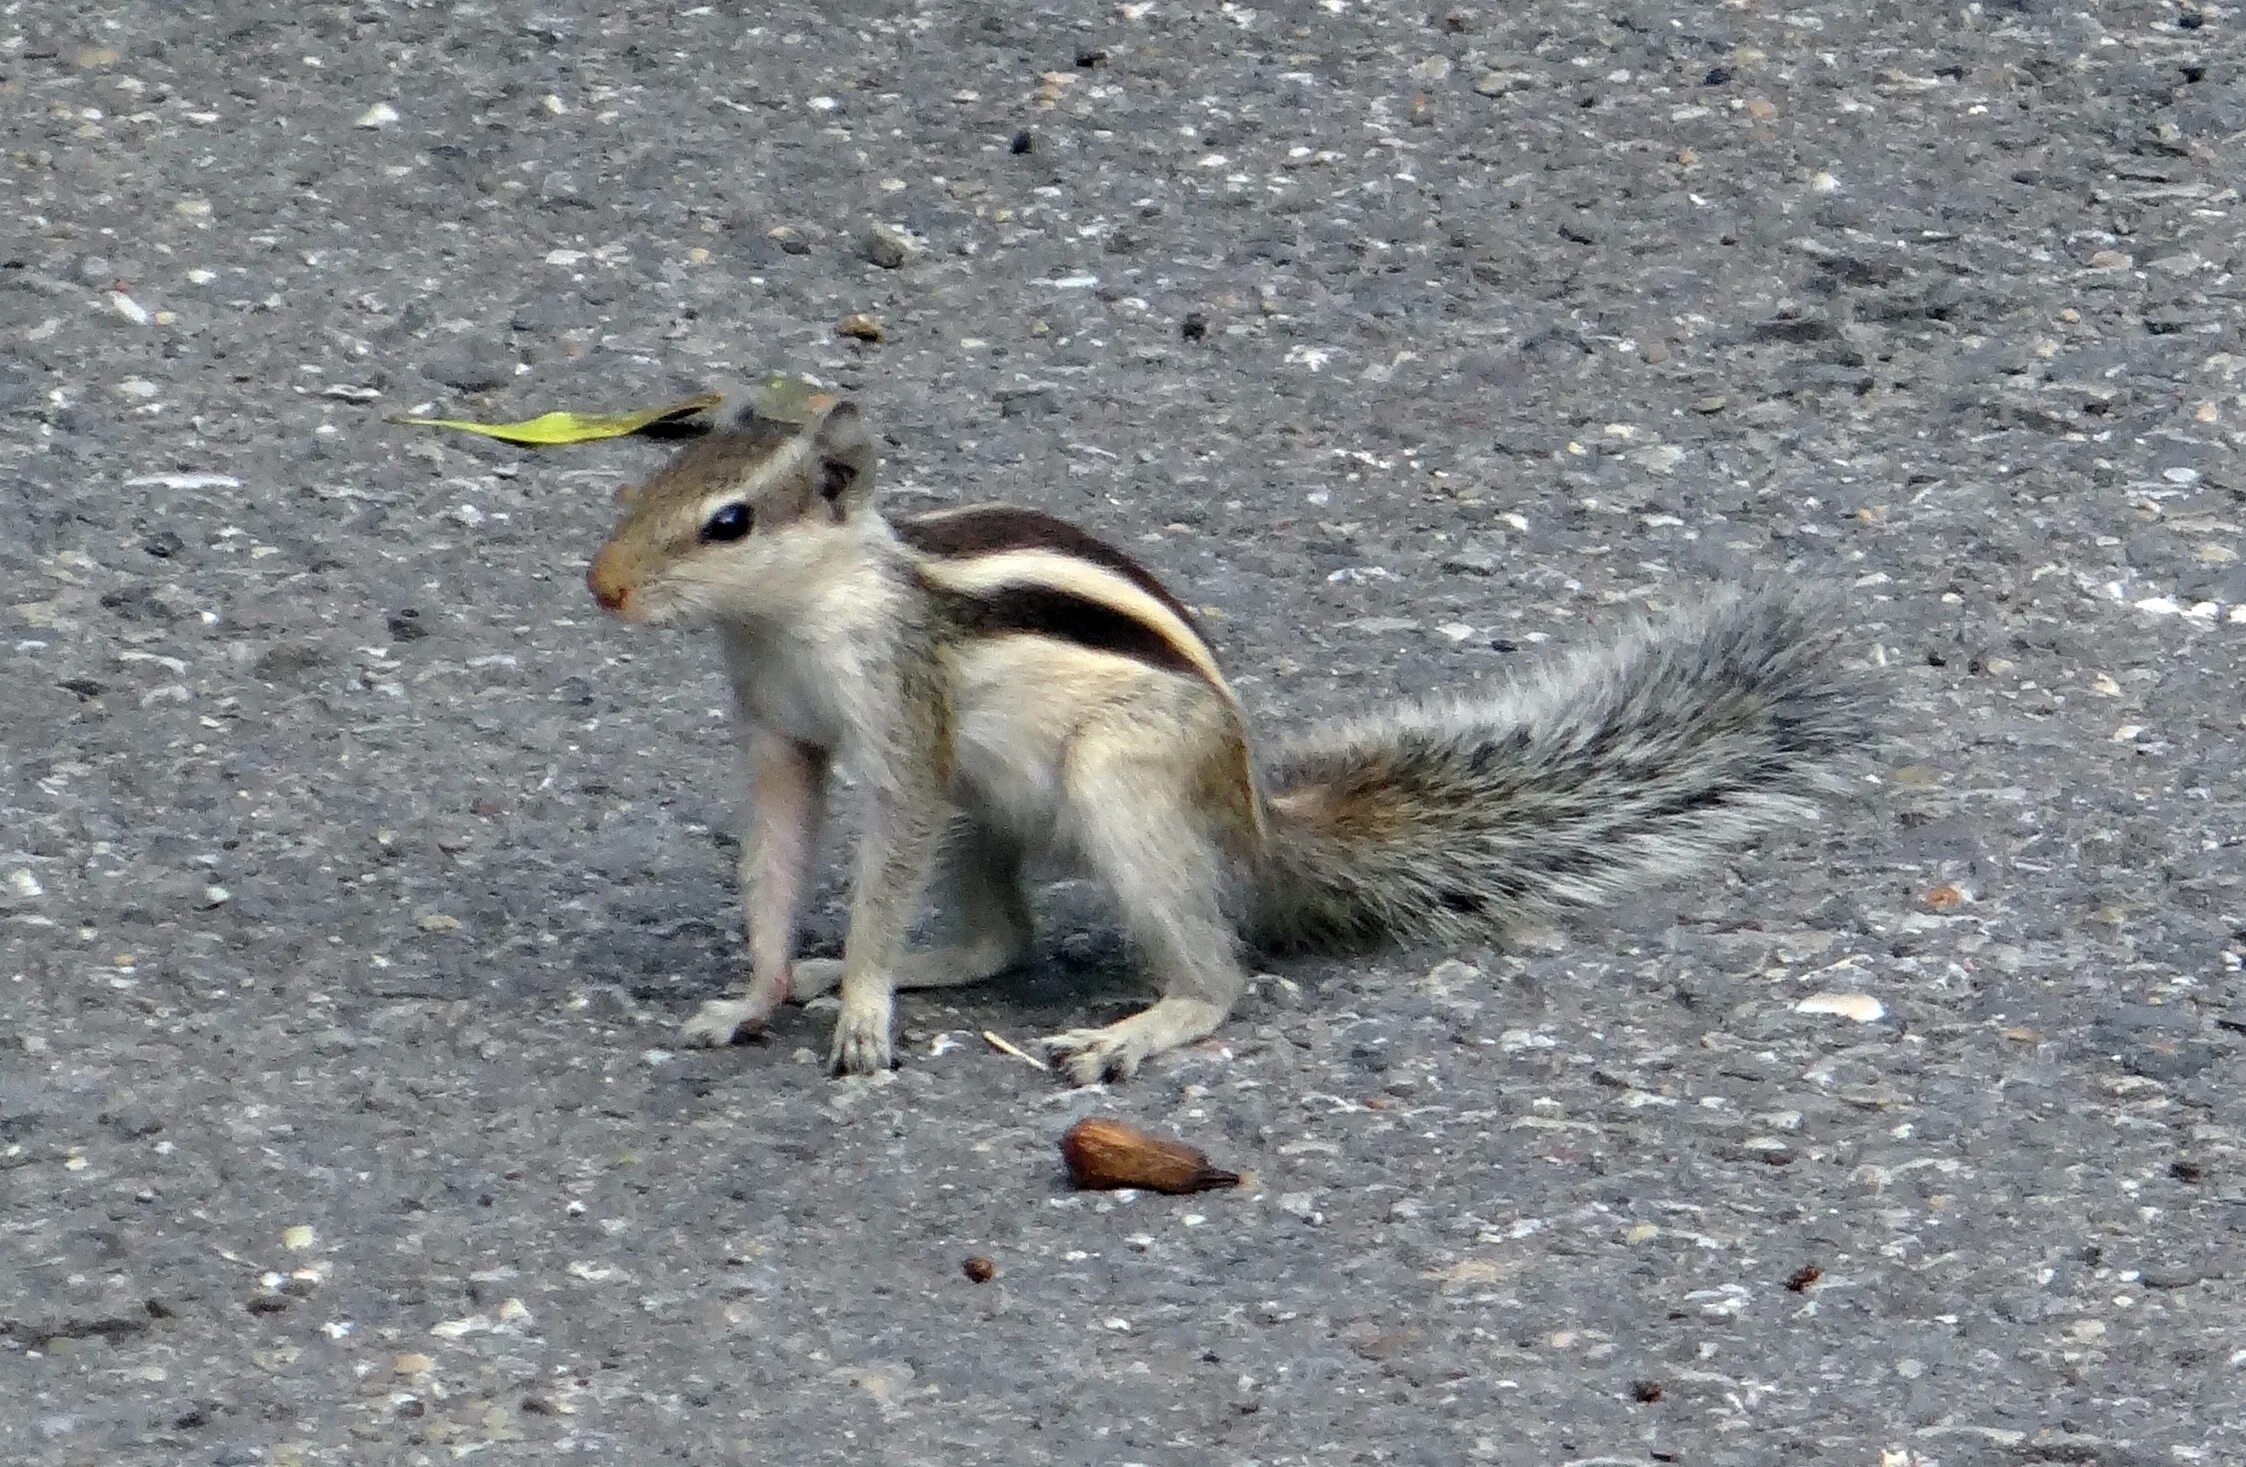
x=608, y=587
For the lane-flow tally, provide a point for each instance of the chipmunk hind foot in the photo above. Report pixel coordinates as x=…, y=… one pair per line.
x=1115, y=1051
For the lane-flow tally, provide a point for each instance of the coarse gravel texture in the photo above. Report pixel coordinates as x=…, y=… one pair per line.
x=355, y=873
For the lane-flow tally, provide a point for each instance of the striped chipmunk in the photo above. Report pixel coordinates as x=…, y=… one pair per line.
x=1012, y=693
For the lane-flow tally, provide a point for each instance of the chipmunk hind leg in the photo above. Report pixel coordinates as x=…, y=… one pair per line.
x=1137, y=827
x=977, y=893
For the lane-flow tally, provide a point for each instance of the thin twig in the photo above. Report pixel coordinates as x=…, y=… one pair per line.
x=1021, y=1054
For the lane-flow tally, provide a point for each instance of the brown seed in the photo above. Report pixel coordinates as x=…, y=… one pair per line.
x=1942, y=898
x=1807, y=1274
x=860, y=326
x=980, y=1269
x=1103, y=1153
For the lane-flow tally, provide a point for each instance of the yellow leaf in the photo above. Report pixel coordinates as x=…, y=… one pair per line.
x=574, y=427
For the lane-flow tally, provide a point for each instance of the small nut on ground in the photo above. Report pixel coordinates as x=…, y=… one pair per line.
x=979, y=1269
x=1104, y=1153
x=860, y=326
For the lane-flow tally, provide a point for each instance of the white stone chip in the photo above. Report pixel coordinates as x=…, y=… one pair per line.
x=1861, y=1007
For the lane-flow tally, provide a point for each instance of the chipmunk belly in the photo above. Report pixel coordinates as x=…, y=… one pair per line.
x=1009, y=736
x=1018, y=705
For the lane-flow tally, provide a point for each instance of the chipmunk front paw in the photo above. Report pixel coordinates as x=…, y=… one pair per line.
x=722, y=1020
x=861, y=1039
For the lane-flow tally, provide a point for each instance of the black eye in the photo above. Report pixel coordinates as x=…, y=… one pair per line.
x=730, y=522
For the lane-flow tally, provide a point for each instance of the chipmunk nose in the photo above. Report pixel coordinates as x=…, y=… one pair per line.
x=605, y=585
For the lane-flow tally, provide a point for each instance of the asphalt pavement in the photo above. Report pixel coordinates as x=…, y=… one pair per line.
x=355, y=872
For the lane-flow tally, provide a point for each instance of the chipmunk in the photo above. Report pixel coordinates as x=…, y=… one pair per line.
x=1009, y=688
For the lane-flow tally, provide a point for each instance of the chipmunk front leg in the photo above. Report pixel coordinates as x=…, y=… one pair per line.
x=977, y=890
x=894, y=857
x=788, y=789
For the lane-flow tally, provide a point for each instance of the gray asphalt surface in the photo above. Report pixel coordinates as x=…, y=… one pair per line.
x=354, y=873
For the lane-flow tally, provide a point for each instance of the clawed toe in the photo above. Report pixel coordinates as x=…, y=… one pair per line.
x=861, y=1044
x=1091, y=1056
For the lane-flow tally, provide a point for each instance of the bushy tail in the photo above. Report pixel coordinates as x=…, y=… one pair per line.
x=1612, y=770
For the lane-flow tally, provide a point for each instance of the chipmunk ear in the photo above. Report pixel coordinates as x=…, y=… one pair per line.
x=843, y=446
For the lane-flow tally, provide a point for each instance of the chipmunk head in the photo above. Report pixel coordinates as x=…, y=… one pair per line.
x=746, y=522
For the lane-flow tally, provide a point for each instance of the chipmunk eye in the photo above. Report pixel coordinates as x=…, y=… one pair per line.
x=730, y=522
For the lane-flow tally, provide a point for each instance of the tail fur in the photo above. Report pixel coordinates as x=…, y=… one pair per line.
x=1615, y=769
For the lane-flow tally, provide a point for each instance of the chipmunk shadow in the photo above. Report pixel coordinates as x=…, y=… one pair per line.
x=671, y=948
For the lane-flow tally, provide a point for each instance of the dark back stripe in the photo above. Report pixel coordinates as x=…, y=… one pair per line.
x=992, y=529
x=1047, y=611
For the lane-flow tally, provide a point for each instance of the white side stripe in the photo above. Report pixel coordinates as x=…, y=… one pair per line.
x=1005, y=569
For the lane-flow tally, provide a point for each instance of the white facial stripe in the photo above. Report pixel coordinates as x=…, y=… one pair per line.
x=982, y=574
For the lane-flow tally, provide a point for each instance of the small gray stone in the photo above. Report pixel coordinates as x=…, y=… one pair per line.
x=471, y=364
x=1475, y=558
x=889, y=247
x=17, y=388
x=1020, y=402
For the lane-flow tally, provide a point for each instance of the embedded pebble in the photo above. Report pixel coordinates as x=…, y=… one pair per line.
x=889, y=247
x=1861, y=1007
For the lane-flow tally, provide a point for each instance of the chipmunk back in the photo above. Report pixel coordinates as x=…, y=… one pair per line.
x=1011, y=689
